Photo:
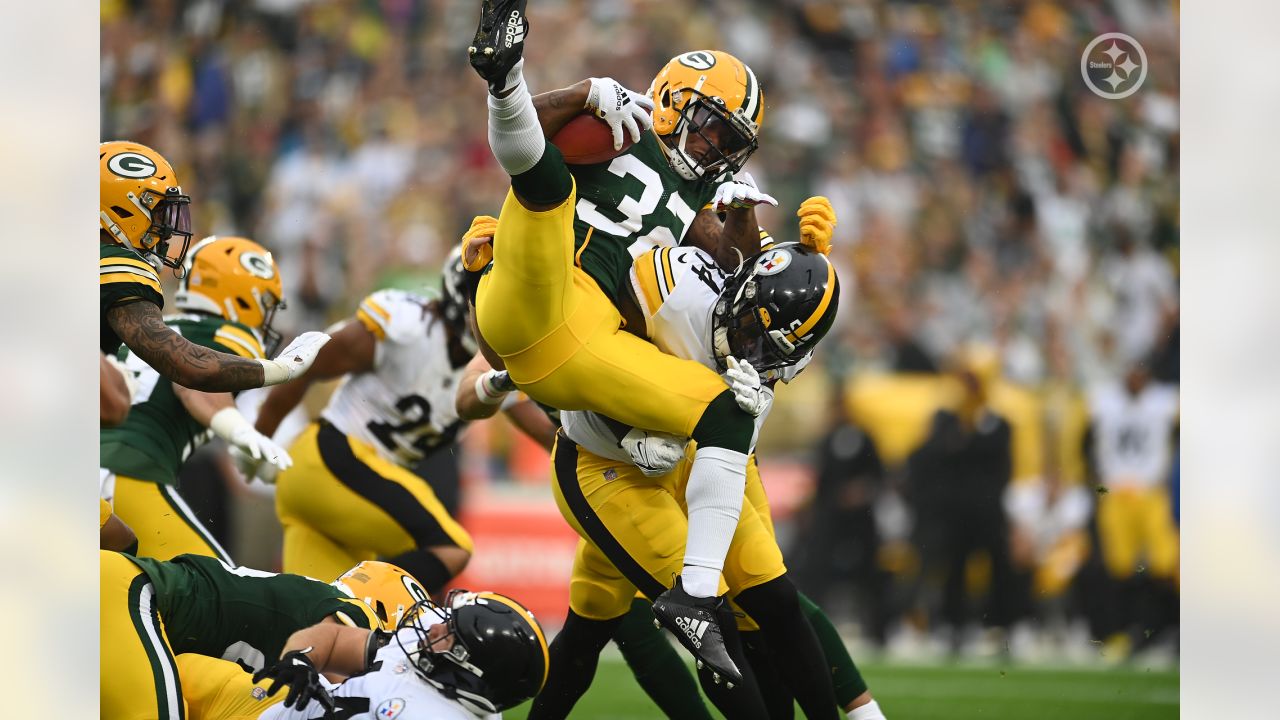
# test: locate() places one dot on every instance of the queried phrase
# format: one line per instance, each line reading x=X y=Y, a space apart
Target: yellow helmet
x=714 y=96
x=384 y=587
x=141 y=204
x=235 y=278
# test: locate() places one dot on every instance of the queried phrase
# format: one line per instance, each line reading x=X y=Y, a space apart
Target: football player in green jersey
x=144 y=215
x=562 y=251
x=153 y=610
x=230 y=294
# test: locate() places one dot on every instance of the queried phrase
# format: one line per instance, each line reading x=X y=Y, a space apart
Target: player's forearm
x=115 y=535
x=141 y=327
x=532 y=421
x=202 y=406
x=334 y=648
x=558 y=107
x=730 y=242
x=281 y=400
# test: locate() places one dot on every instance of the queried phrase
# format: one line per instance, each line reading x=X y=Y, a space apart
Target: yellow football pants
x=561 y=337
x=342 y=503
x=221 y=690
x=138 y=678
x=1136 y=524
x=162 y=520
x=633 y=531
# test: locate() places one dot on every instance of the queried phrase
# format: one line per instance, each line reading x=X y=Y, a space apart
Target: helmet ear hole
x=243 y=305
x=121 y=211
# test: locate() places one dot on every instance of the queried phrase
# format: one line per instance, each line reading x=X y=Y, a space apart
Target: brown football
x=586 y=140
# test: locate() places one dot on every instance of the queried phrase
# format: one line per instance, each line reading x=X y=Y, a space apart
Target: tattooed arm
x=141 y=327
x=558 y=107
x=739 y=231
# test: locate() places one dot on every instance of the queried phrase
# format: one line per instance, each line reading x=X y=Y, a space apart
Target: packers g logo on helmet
x=257 y=265
x=698 y=60
x=131 y=165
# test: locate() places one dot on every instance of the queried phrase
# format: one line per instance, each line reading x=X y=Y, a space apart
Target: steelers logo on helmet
x=257 y=265
x=131 y=165
x=698 y=60
x=773 y=261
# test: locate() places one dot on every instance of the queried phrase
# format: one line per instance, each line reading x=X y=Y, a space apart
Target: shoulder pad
x=394 y=315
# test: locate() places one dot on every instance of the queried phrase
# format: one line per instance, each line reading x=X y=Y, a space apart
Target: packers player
x=564 y=244
x=152 y=610
x=351 y=495
x=479 y=654
x=229 y=295
x=145 y=219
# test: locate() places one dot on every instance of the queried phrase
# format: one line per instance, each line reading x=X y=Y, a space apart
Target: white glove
x=654 y=453
x=740 y=193
x=744 y=381
x=294 y=359
x=231 y=426
x=620 y=108
x=252 y=468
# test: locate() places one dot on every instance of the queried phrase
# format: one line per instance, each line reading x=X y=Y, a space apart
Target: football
x=586 y=140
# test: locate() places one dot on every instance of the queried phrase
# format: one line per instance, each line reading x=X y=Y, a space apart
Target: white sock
x=714 y=496
x=870 y=711
x=514 y=133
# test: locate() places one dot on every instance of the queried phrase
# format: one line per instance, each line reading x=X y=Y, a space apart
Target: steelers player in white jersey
x=350 y=495
x=475 y=656
x=1132 y=435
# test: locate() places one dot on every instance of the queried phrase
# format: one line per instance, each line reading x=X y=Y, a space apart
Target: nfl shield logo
x=610 y=475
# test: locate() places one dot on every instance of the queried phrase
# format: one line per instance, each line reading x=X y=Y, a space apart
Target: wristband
x=273 y=373
x=485 y=390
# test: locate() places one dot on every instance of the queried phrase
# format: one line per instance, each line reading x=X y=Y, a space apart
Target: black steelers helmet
x=499 y=654
x=453 y=298
x=776 y=307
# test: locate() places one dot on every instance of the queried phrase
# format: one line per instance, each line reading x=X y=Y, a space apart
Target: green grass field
x=950 y=693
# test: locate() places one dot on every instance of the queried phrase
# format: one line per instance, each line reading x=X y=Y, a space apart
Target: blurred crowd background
x=950 y=476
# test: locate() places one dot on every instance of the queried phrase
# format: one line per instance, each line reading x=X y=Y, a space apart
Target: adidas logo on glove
x=693 y=629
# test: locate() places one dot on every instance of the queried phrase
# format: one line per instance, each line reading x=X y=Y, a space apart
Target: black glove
x=303 y=680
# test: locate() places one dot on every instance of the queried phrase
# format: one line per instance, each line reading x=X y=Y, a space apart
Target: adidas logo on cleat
x=515 y=29
x=693 y=629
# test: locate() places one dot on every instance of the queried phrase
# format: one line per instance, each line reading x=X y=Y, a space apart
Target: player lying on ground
x=479 y=654
x=142 y=210
x=564 y=244
x=351 y=495
x=229 y=296
x=153 y=610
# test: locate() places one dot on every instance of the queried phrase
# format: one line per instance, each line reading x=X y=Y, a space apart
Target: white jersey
x=405 y=406
x=391 y=691
x=677 y=289
x=1132 y=434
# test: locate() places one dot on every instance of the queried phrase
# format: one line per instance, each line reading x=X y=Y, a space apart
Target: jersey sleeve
x=355 y=613
x=393 y=315
x=238 y=340
x=123 y=277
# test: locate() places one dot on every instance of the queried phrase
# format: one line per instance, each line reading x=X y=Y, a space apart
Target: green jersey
x=211 y=608
x=629 y=205
x=123 y=277
x=159 y=434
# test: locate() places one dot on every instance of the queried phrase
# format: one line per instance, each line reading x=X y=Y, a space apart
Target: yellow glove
x=477 y=243
x=817 y=223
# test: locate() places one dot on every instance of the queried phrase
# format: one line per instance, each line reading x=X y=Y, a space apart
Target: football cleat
x=695 y=623
x=499 y=41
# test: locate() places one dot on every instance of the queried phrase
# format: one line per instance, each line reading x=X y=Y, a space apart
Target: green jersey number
x=639 y=212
